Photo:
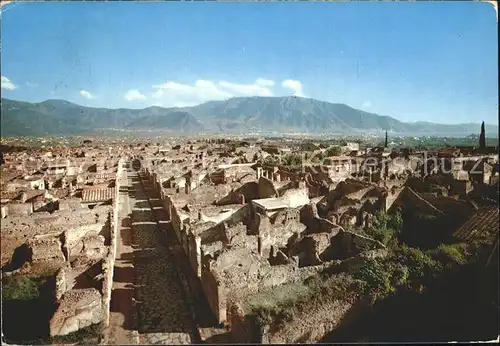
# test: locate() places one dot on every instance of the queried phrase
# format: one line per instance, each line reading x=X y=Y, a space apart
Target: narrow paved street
x=145 y=272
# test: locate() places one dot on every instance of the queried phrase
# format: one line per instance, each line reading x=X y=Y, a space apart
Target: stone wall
x=76 y=310
x=266 y=188
x=195 y=253
x=392 y=196
x=61 y=285
x=310 y=325
x=19 y=209
x=296 y=197
x=109 y=262
x=214 y=293
x=191 y=245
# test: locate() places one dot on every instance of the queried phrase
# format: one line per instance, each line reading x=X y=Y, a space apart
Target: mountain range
x=236 y=115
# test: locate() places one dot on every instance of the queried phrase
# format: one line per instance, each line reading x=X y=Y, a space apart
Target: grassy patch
x=22 y=287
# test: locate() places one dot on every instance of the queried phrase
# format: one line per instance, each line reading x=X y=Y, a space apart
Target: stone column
x=197 y=240
x=278 y=177
x=259 y=172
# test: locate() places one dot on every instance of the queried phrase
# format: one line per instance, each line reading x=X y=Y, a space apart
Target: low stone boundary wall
x=109 y=263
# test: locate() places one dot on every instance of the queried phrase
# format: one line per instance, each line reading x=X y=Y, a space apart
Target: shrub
x=450 y=255
x=21 y=287
x=420 y=265
x=376 y=278
x=292 y=160
x=400 y=274
x=333 y=151
x=385 y=227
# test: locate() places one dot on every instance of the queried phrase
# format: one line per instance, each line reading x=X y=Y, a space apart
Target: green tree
x=376 y=277
x=333 y=151
x=422 y=268
x=21 y=287
x=385 y=227
x=482 y=138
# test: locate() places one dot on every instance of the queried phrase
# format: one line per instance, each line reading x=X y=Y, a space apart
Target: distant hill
x=240 y=114
x=176 y=120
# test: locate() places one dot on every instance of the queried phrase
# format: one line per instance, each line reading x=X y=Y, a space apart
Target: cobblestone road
x=148 y=305
x=163 y=313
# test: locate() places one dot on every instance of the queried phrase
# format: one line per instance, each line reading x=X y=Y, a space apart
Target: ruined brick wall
x=109 y=261
x=244 y=329
x=176 y=223
x=266 y=188
x=242 y=215
x=214 y=293
x=194 y=254
x=77 y=309
x=61 y=286
x=310 y=326
x=297 y=197
x=174 y=216
x=19 y=209
x=393 y=196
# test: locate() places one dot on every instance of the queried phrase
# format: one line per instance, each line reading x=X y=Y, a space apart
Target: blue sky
x=414 y=61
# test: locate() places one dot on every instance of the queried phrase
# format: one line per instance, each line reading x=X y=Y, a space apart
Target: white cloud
x=294 y=85
x=31 y=85
x=86 y=94
x=259 y=88
x=264 y=82
x=366 y=105
x=134 y=95
x=7 y=84
x=174 y=94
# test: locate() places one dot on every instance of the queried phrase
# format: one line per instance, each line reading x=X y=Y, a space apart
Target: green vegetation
x=406 y=273
x=406 y=266
x=410 y=267
x=384 y=228
x=296 y=160
x=333 y=151
x=440 y=142
x=291 y=160
x=23 y=295
x=379 y=279
x=22 y=287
